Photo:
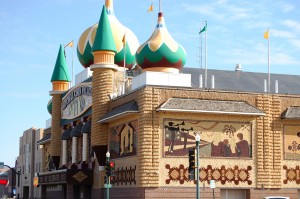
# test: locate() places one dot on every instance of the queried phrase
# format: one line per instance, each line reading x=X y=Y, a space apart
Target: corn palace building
x=147 y=115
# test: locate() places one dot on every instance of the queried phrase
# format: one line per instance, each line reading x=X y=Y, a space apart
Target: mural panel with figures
x=292 y=142
x=123 y=140
x=218 y=139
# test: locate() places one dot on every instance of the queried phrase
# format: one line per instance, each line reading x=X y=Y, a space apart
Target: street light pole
x=197 y=138
x=108 y=178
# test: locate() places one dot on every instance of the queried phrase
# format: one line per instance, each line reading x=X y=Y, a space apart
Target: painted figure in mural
x=242 y=147
x=226 y=149
x=173 y=131
x=184 y=134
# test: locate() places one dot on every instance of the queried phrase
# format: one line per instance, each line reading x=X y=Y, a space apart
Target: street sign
x=1 y=165
x=212 y=184
x=107 y=186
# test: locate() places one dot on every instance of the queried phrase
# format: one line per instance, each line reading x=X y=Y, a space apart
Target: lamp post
x=108 y=178
x=197 y=138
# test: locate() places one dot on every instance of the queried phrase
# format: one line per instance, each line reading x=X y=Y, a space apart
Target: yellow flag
x=70 y=44
x=266 y=35
x=124 y=39
x=150 y=9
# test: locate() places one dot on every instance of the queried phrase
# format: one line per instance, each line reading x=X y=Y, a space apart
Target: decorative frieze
x=223 y=175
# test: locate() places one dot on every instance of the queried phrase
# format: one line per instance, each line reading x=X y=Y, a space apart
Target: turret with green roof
x=60 y=83
x=104 y=50
x=60 y=72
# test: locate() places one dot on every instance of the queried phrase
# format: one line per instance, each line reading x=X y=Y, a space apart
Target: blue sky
x=32 y=30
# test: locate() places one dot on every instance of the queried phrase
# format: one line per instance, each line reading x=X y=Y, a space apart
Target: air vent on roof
x=200 y=81
x=238 y=67
x=276 y=86
x=212 y=82
x=265 y=85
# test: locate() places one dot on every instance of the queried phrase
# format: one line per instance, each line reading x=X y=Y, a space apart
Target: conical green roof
x=61 y=72
x=104 y=39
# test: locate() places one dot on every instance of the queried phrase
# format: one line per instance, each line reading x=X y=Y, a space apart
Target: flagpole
x=124 y=65
x=72 y=84
x=200 y=53
x=269 y=78
x=205 y=81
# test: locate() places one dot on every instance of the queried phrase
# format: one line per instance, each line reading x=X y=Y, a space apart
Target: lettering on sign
x=52 y=178
x=77 y=101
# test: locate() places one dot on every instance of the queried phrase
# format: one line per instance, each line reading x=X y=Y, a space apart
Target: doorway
x=26 y=192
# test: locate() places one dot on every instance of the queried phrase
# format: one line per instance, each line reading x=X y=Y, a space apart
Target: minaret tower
x=60 y=83
x=103 y=49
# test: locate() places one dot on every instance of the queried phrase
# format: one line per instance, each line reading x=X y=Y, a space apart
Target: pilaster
x=148 y=140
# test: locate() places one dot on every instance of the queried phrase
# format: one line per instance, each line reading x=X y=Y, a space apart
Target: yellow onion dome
x=86 y=41
x=161 y=52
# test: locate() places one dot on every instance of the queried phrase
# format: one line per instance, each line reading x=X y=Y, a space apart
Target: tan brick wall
x=267 y=134
x=276 y=131
x=102 y=87
x=55 y=144
x=148 y=145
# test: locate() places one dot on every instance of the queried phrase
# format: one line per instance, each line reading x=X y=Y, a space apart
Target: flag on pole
x=203 y=29
x=70 y=44
x=150 y=9
x=266 y=35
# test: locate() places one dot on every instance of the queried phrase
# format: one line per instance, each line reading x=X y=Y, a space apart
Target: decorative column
x=60 y=83
x=264 y=143
x=86 y=130
x=276 y=132
x=64 y=152
x=84 y=147
x=74 y=150
x=148 y=139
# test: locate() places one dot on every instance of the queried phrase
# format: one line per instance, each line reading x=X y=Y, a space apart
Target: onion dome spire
x=60 y=78
x=104 y=38
x=61 y=72
x=87 y=38
x=161 y=52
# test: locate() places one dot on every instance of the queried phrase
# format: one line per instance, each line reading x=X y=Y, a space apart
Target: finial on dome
x=109 y=6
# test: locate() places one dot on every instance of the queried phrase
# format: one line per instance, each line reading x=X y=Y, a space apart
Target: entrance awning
x=45 y=139
x=124 y=110
x=210 y=107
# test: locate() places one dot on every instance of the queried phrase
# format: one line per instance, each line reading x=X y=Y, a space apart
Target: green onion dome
x=161 y=52
x=86 y=41
x=49 y=107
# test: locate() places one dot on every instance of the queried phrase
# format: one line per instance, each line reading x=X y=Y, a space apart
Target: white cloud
x=295 y=42
x=293 y=25
x=281 y=33
x=230 y=12
x=258 y=55
x=287 y=7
